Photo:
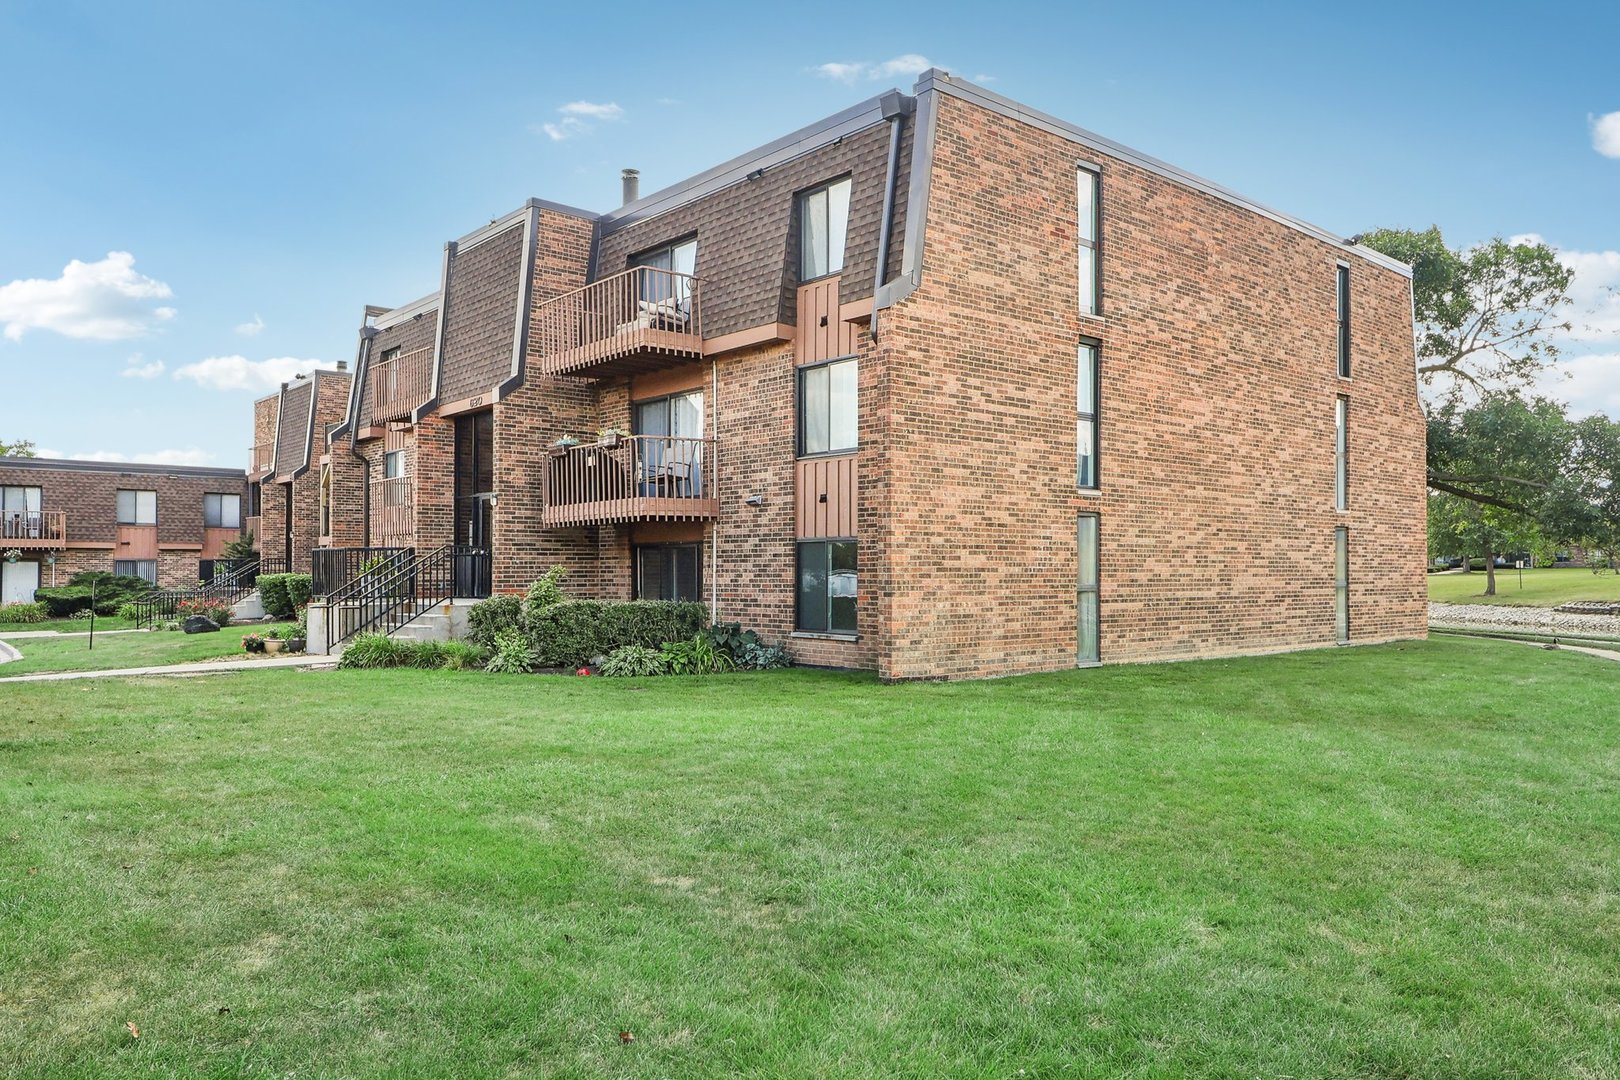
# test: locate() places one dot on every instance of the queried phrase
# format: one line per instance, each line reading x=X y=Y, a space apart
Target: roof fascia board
x=494 y=228
x=438 y=334
x=520 y=327
x=409 y=311
x=935 y=79
x=926 y=123
x=120 y=467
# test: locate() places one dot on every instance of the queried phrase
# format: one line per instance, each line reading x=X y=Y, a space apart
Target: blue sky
x=264 y=171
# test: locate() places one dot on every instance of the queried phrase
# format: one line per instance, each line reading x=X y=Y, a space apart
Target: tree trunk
x=1468 y=564
x=1490 y=571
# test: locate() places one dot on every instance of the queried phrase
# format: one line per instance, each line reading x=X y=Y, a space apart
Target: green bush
x=298 y=591
x=546 y=590
x=273 y=594
x=575 y=632
x=696 y=656
x=130 y=611
x=376 y=651
x=208 y=607
x=513 y=654
x=761 y=657
x=24 y=612
x=489 y=617
x=112 y=591
x=632 y=660
x=461 y=656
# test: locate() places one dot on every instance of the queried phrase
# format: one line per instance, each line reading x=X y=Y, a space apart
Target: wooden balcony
x=642 y=478
x=33 y=529
x=640 y=320
x=397 y=387
x=261 y=460
x=254 y=524
x=393 y=517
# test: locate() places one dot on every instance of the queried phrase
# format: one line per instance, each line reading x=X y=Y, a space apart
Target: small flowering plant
x=13 y=554
x=217 y=610
x=253 y=643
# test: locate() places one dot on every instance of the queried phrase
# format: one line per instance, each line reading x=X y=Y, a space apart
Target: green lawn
x=127 y=650
x=69 y=626
x=1542 y=588
x=1358 y=862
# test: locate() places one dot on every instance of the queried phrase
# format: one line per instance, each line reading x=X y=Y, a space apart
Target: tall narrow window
x=20 y=515
x=222 y=511
x=1086 y=632
x=823 y=225
x=827 y=586
x=665 y=284
x=1344 y=321
x=1341 y=453
x=137 y=507
x=829 y=407
x=1341 y=584
x=1090 y=228
x=1085 y=428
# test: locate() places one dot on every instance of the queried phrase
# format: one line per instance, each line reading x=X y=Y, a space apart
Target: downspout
x=890 y=182
x=714 y=467
x=361 y=376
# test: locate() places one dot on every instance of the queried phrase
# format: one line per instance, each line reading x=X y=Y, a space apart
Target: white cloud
x=609 y=110
x=240 y=373
x=103 y=301
x=190 y=456
x=1606 y=134
x=574 y=116
x=139 y=369
x=251 y=329
x=855 y=71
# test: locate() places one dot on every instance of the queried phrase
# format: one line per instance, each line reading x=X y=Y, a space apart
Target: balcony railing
x=639 y=320
x=396 y=387
x=393 y=518
x=641 y=478
x=33 y=528
x=261 y=459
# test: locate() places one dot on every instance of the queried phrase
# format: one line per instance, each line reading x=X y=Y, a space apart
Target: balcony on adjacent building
x=24 y=529
x=393 y=517
x=640 y=320
x=639 y=478
x=397 y=386
x=261 y=460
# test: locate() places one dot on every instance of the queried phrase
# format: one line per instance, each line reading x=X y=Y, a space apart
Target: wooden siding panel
x=822 y=334
x=214 y=541
x=137 y=542
x=826 y=497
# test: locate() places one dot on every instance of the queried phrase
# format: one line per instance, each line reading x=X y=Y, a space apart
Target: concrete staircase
x=443 y=621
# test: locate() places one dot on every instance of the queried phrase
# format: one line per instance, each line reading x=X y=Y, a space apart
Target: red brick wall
x=1218 y=386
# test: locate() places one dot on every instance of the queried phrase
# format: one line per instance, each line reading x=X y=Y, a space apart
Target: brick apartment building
x=939 y=386
x=158 y=522
x=289 y=472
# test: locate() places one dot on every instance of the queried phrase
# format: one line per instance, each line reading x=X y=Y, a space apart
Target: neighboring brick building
x=291 y=471
x=153 y=521
x=939 y=386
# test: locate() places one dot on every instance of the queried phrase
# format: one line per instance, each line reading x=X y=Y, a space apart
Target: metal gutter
x=897 y=109
x=438 y=335
x=922 y=175
x=520 y=329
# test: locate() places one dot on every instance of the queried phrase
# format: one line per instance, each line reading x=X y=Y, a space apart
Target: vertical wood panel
x=813 y=341
x=137 y=542
x=214 y=541
x=834 y=478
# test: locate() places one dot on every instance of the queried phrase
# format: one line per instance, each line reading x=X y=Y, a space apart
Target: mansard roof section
x=486 y=285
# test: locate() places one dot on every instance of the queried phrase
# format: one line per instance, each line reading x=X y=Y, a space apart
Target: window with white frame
x=1087 y=622
x=1087 y=385
x=1089 y=225
x=137 y=507
x=1341 y=453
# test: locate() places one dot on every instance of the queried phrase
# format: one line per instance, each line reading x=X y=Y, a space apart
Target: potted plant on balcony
x=610 y=436
x=13 y=554
x=563 y=445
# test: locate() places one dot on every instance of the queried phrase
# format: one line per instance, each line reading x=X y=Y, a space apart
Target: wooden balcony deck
x=640 y=478
x=640 y=320
x=32 y=531
x=261 y=460
x=396 y=388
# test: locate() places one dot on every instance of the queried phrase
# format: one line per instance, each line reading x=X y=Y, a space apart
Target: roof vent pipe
x=343 y=365
x=632 y=185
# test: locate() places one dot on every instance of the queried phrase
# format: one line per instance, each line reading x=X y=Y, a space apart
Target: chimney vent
x=632 y=184
x=343 y=365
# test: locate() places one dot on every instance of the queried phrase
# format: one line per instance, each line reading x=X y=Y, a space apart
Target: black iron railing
x=331 y=569
x=391 y=595
x=232 y=581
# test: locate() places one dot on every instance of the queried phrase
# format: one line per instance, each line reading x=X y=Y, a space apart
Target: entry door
x=475 y=501
x=18 y=581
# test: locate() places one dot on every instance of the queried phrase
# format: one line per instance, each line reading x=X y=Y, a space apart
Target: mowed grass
x=1398 y=860
x=146 y=649
x=66 y=626
x=1542 y=588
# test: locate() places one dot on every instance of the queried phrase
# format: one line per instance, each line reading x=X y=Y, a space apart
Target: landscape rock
x=200 y=624
x=1535 y=620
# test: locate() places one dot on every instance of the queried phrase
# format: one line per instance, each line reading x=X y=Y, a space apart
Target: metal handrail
x=227 y=588
x=384 y=602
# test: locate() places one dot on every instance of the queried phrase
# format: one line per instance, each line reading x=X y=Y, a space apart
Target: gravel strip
x=1500 y=616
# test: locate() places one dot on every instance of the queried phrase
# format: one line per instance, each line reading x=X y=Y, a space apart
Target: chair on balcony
x=666 y=314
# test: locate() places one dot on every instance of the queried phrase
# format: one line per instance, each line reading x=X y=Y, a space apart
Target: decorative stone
x=200 y=624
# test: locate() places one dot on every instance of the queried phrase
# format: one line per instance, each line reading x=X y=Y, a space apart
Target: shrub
x=575 y=632
x=112 y=590
x=376 y=651
x=253 y=643
x=630 y=660
x=489 y=617
x=273 y=594
x=762 y=657
x=129 y=610
x=696 y=656
x=546 y=590
x=513 y=654
x=298 y=591
x=82 y=613
x=24 y=612
x=209 y=607
x=461 y=656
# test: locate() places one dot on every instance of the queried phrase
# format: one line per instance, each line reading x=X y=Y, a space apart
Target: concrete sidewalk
x=216 y=668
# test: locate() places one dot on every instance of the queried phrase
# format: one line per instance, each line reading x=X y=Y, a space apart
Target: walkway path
x=208 y=668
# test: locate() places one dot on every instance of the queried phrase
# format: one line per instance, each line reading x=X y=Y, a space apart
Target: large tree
x=19 y=448
x=1487 y=316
